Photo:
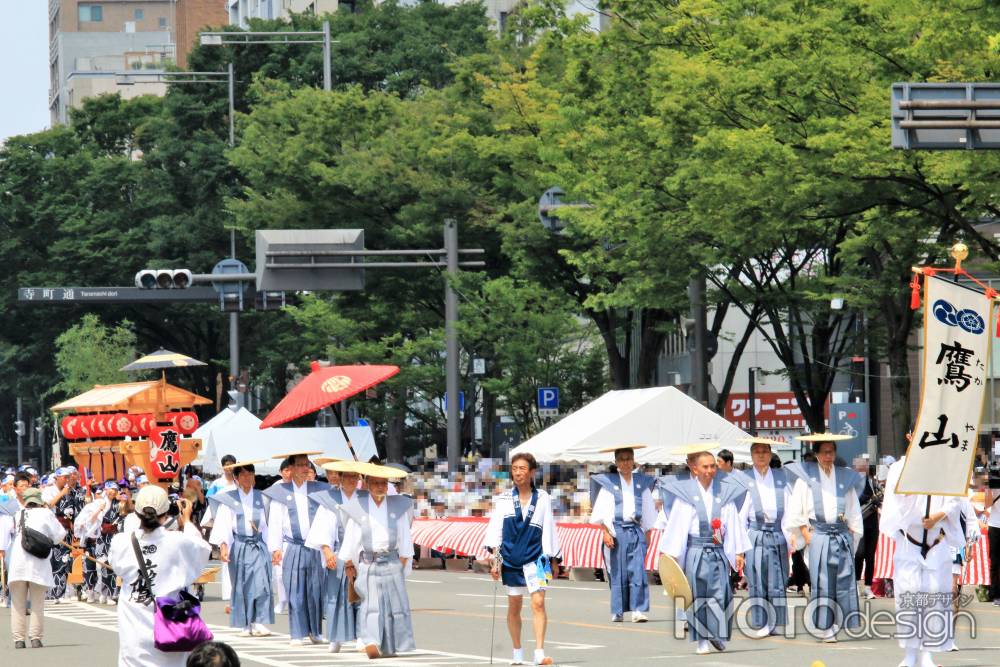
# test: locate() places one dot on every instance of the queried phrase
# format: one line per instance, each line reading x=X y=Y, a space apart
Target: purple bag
x=177 y=626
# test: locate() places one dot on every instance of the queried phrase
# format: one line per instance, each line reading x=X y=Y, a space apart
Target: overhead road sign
x=70 y=295
x=936 y=116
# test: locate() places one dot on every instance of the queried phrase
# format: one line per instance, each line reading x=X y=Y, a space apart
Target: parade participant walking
x=825 y=499
x=173 y=559
x=926 y=536
x=62 y=497
x=240 y=530
x=522 y=536
x=327 y=535
x=377 y=552
x=764 y=515
x=277 y=580
x=624 y=507
x=30 y=575
x=87 y=528
x=871 y=500
x=224 y=483
x=303 y=577
x=704 y=534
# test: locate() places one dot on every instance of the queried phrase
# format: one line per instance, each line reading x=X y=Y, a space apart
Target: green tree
x=90 y=353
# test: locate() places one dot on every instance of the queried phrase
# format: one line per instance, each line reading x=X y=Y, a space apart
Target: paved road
x=452 y=616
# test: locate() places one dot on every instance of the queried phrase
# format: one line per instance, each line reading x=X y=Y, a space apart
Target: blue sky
x=24 y=68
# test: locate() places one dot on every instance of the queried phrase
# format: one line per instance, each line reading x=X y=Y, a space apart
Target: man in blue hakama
x=303 y=576
x=522 y=536
x=240 y=530
x=327 y=536
x=623 y=505
x=825 y=497
x=377 y=554
x=704 y=535
x=769 y=494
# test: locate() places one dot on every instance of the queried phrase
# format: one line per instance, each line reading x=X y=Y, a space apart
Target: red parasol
x=323 y=387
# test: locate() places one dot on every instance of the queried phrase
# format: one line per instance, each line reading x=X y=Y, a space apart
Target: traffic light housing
x=163 y=279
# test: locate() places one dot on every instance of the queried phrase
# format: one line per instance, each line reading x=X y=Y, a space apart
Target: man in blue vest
x=624 y=508
x=303 y=577
x=825 y=497
x=522 y=536
x=240 y=530
x=764 y=513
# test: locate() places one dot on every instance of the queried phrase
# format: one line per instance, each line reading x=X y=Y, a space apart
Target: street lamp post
x=752 y=399
x=234 y=38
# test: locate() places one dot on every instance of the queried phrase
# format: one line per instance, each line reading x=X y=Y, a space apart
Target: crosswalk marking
x=272 y=650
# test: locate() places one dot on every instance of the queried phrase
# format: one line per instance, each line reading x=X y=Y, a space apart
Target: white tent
x=662 y=418
x=238 y=433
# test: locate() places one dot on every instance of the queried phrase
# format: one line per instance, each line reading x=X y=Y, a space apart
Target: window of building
x=163 y=23
x=139 y=15
x=91 y=13
x=503 y=21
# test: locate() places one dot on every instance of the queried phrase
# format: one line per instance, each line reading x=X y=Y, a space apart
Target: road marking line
x=261 y=649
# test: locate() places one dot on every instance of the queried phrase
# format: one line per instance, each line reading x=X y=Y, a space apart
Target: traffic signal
x=163 y=279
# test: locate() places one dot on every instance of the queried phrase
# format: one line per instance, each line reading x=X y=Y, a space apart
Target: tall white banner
x=957 y=332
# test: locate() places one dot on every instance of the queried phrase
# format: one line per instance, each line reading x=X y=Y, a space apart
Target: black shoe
x=18 y=644
x=36 y=643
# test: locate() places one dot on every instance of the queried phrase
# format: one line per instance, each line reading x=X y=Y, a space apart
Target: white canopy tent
x=662 y=418
x=238 y=432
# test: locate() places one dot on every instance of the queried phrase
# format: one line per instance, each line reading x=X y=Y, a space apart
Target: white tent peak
x=238 y=433
x=662 y=418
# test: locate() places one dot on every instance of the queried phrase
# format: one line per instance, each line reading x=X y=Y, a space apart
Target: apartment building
x=241 y=11
x=90 y=39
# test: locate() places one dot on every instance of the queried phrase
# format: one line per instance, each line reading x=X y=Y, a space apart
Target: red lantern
x=164 y=452
x=121 y=425
x=186 y=422
x=71 y=427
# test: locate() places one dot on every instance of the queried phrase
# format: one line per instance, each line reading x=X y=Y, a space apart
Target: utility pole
x=454 y=440
x=699 y=353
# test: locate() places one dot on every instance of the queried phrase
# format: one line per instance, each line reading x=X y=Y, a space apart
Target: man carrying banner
x=825 y=498
x=765 y=516
x=624 y=507
x=705 y=536
x=522 y=536
x=926 y=533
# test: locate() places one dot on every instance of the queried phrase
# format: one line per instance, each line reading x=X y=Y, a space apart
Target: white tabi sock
x=518 y=655
x=926 y=660
x=539 y=655
x=909 y=658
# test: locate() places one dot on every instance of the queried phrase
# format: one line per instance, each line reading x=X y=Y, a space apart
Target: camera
x=993 y=476
x=174 y=509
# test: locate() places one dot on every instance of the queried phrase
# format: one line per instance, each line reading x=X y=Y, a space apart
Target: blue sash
x=520 y=525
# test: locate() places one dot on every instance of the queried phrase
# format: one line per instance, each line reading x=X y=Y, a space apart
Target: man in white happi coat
x=927 y=536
